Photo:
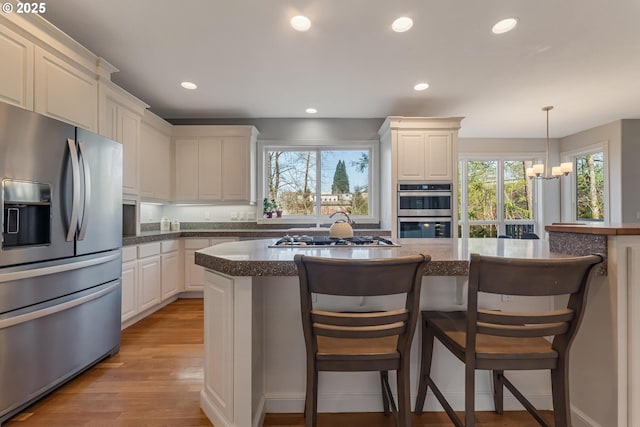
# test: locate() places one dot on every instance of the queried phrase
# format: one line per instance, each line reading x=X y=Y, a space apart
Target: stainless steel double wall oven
x=424 y=210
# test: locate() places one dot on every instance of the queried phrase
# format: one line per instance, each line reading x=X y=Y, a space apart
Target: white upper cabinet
x=120 y=120
x=155 y=158
x=421 y=148
x=215 y=163
x=64 y=91
x=16 y=72
x=210 y=168
x=425 y=155
x=186 y=169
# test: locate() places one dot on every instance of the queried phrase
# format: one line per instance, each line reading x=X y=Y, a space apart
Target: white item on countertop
x=175 y=225
x=165 y=224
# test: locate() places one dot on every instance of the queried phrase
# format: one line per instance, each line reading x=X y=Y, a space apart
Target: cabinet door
x=186 y=170
x=16 y=72
x=155 y=163
x=65 y=92
x=129 y=288
x=193 y=274
x=411 y=155
x=438 y=152
x=235 y=168
x=150 y=284
x=129 y=136
x=170 y=280
x=210 y=169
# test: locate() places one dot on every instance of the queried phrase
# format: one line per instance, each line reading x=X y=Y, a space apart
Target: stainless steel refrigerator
x=60 y=256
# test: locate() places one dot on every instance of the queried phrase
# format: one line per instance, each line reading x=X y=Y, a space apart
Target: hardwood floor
x=156 y=379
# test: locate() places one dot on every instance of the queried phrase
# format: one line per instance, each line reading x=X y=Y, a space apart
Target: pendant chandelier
x=538 y=170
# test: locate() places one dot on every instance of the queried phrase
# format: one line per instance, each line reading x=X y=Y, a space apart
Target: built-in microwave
x=424 y=227
x=424 y=200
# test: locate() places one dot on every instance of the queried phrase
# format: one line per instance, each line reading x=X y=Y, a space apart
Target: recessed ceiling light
x=402 y=24
x=189 y=85
x=504 y=26
x=300 y=23
x=311 y=110
x=421 y=86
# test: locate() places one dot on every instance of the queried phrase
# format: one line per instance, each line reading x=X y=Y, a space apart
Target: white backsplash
x=197 y=213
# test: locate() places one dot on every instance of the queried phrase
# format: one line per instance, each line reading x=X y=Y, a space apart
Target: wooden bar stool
x=498 y=341
x=360 y=341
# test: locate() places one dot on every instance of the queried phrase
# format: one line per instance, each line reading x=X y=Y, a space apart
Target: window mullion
x=318 y=185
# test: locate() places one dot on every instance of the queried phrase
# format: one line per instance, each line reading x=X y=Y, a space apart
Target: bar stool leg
x=560 y=392
x=498 y=391
x=425 y=366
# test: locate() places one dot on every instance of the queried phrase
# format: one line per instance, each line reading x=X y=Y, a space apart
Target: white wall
x=630 y=171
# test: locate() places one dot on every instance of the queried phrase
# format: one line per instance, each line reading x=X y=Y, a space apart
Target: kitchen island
x=254 y=349
x=612 y=368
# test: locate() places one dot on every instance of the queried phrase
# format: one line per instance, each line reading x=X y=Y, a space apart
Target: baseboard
x=210 y=410
x=580 y=419
x=191 y=294
x=371 y=402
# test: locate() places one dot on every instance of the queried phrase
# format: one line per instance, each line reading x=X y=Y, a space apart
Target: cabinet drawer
x=148 y=249
x=196 y=243
x=129 y=253
x=170 y=246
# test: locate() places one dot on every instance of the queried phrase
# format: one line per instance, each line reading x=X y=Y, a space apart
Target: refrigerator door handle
x=87 y=192
x=75 y=169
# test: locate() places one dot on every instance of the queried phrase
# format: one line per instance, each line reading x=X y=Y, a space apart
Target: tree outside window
x=590 y=186
x=499 y=198
x=318 y=182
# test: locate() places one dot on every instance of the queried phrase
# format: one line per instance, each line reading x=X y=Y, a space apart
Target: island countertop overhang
x=448 y=257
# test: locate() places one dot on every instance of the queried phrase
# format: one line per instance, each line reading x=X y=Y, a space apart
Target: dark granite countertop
x=449 y=257
x=156 y=236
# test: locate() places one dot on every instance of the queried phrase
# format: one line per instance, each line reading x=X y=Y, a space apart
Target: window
x=313 y=182
x=590 y=186
x=495 y=198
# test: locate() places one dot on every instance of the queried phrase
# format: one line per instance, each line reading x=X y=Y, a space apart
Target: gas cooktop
x=289 y=241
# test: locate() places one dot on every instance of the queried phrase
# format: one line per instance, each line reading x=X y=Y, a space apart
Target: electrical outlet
x=234 y=216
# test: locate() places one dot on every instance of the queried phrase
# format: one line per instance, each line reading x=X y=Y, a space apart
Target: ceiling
x=582 y=56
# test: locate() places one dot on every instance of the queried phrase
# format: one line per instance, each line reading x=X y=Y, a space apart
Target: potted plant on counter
x=278 y=208
x=268 y=207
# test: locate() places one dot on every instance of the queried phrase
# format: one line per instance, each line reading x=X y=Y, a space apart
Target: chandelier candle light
x=537 y=171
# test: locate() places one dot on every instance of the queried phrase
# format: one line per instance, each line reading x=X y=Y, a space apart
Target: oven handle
x=424 y=219
x=424 y=194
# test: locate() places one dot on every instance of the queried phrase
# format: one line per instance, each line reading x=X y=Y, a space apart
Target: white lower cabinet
x=150 y=275
x=129 y=282
x=194 y=274
x=170 y=263
x=150 y=286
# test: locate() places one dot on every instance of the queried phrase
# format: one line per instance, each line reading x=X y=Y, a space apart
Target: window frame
x=263 y=146
x=569 y=186
x=500 y=222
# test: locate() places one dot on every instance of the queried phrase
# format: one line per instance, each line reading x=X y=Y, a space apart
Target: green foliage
x=359 y=203
x=590 y=186
x=340 y=179
x=362 y=163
